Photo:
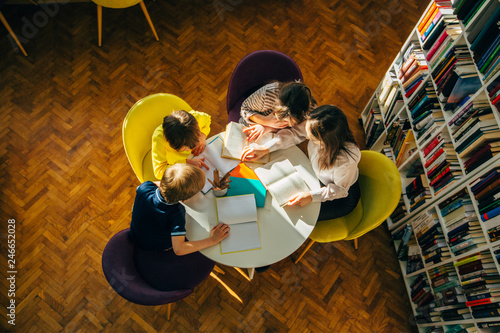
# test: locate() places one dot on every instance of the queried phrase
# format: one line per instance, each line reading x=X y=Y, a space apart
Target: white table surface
x=282 y=230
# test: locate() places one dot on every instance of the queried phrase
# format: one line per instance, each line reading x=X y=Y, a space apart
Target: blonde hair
x=181 y=181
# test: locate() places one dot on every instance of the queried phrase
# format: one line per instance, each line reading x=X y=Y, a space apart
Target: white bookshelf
x=431 y=204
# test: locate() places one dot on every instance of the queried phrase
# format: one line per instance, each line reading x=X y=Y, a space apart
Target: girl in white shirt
x=334 y=156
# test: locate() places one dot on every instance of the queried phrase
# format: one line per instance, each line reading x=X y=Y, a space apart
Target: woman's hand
x=254 y=132
x=197 y=162
x=254 y=152
x=200 y=147
x=301 y=199
x=219 y=232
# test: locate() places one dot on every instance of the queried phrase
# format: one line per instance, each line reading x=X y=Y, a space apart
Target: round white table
x=282 y=230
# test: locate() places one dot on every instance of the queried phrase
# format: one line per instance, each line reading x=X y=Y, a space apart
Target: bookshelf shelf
x=437 y=122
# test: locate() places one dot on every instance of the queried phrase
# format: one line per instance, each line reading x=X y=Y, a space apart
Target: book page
x=281 y=180
x=214 y=160
x=237 y=209
x=285 y=189
x=242 y=237
x=235 y=141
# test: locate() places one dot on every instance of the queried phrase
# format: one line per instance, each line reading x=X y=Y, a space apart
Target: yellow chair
x=120 y=4
x=138 y=127
x=380 y=185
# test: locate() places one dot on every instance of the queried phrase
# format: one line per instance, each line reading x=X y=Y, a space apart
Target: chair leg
x=99 y=23
x=355 y=243
x=311 y=242
x=145 y=11
x=169 y=309
x=7 y=26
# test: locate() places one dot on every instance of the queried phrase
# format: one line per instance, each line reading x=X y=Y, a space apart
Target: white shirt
x=339 y=177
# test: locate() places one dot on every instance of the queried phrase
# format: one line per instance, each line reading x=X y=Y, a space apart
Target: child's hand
x=197 y=162
x=254 y=152
x=219 y=232
x=200 y=147
x=301 y=199
x=254 y=132
x=271 y=121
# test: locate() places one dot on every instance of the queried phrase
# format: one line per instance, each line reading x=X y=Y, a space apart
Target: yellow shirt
x=163 y=155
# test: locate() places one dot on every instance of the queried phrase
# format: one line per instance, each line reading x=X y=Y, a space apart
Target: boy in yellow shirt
x=181 y=134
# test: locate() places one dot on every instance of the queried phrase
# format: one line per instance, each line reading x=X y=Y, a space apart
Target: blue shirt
x=154 y=221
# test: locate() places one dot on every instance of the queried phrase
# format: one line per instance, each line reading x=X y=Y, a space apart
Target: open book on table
x=213 y=159
x=240 y=213
x=281 y=180
x=235 y=141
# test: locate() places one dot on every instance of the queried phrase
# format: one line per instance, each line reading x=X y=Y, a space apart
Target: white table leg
x=251 y=272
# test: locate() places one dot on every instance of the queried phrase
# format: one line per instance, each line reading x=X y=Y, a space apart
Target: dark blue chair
x=129 y=280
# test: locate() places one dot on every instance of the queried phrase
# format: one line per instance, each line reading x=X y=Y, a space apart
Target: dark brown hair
x=296 y=100
x=181 y=181
x=329 y=125
x=180 y=129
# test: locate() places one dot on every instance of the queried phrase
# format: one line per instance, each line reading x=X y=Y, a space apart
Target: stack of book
x=434 y=329
x=462 y=328
x=417 y=192
x=388 y=91
x=496 y=252
x=466 y=9
x=486 y=191
x=399 y=212
x=441 y=163
x=394 y=109
x=450 y=301
x=404 y=235
x=408 y=147
x=484 y=38
x=481 y=284
x=435 y=21
x=489 y=327
x=494 y=93
x=424 y=108
x=464 y=231
x=396 y=134
x=373 y=126
x=456 y=77
x=430 y=238
x=475 y=115
x=414 y=259
x=423 y=298
x=413 y=68
x=414 y=169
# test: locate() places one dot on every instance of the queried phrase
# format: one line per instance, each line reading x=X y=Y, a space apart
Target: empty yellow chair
x=120 y=4
x=380 y=185
x=138 y=127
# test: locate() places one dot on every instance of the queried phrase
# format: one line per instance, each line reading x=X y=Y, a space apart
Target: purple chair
x=255 y=70
x=120 y=270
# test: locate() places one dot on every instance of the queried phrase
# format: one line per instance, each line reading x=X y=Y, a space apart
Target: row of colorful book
x=494 y=93
x=463 y=228
x=425 y=111
x=471 y=128
x=373 y=126
x=413 y=69
x=430 y=238
x=484 y=35
x=450 y=301
x=441 y=162
x=486 y=192
x=388 y=91
x=422 y=297
x=417 y=192
x=397 y=135
x=480 y=283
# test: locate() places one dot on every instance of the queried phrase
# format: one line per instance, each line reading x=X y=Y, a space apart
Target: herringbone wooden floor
x=65 y=179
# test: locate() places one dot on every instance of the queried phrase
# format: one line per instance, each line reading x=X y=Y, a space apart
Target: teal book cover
x=239 y=186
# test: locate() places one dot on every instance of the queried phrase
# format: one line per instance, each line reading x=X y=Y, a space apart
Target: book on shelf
x=477 y=143
x=282 y=180
x=240 y=212
x=402 y=251
x=235 y=140
x=390 y=80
